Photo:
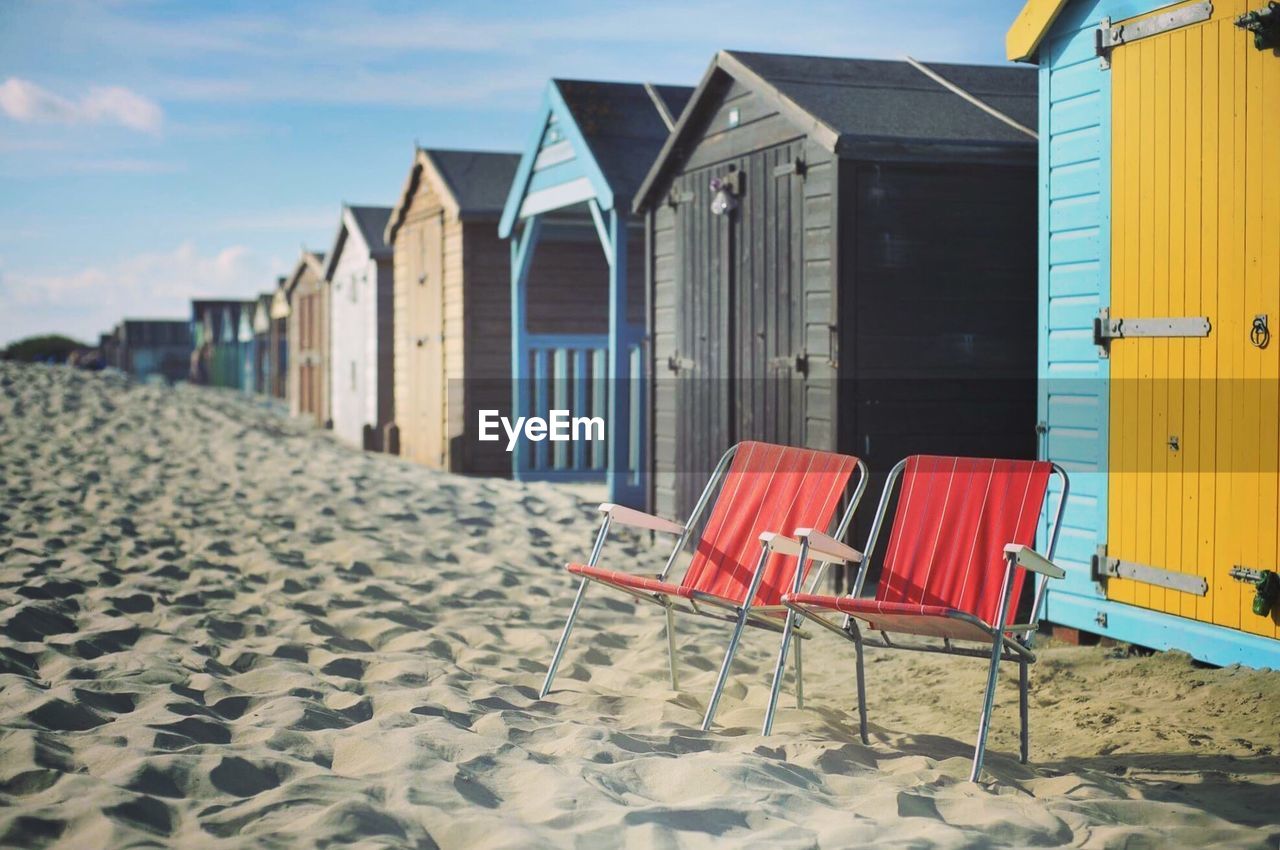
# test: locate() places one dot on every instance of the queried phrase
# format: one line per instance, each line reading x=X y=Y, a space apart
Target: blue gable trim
x=582 y=165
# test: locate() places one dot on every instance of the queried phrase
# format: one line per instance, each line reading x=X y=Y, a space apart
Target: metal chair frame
x=1005 y=645
x=741 y=615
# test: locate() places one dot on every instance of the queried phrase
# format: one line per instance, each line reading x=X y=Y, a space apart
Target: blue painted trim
x=515 y=197
x=551 y=341
x=541 y=380
x=586 y=165
x=625 y=485
x=604 y=192
x=1157 y=630
x=580 y=387
x=567 y=476
x=521 y=259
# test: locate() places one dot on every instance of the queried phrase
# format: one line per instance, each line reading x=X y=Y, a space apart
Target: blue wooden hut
x=222 y=336
x=1159 y=273
x=591 y=146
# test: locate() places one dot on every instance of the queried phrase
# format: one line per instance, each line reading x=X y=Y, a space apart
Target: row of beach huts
x=876 y=257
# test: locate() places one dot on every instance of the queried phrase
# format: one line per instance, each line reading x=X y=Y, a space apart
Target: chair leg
x=862 y=688
x=671 y=649
x=779 y=670
x=988 y=703
x=564 y=640
x=799 y=674
x=710 y=716
x=1023 y=689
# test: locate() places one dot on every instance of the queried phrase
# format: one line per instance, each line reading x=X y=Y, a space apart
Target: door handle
x=1260 y=333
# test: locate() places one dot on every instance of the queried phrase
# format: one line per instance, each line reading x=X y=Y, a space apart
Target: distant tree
x=49 y=348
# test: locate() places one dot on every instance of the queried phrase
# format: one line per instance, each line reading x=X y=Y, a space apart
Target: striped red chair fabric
x=761 y=488
x=955 y=567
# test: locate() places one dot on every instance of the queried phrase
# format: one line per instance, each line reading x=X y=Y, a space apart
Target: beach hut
x=452 y=307
x=591 y=145
x=358 y=274
x=262 y=351
x=278 y=384
x=222 y=338
x=146 y=347
x=1159 y=280
x=308 y=339
x=109 y=347
x=841 y=256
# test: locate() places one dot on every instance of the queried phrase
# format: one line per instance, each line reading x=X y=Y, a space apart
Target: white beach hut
x=359 y=276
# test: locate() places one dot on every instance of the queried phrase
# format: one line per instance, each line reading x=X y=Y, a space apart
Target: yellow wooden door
x=1195 y=231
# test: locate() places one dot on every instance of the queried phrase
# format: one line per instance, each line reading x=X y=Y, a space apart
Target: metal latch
x=1110 y=37
x=675 y=199
x=795 y=166
x=676 y=363
x=1266 y=587
x=1264 y=23
x=1106 y=328
x=1105 y=567
x=794 y=362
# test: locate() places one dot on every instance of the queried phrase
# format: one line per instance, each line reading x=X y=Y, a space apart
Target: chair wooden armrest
x=640 y=519
x=1030 y=559
x=828 y=547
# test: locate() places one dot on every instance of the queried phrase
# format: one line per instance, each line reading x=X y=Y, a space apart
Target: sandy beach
x=222 y=628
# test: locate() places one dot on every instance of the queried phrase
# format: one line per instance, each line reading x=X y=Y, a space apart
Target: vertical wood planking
x=1269 y=181
x=1209 y=151
x=1226 y=607
x=1122 y=479
x=1159 y=283
x=1175 y=133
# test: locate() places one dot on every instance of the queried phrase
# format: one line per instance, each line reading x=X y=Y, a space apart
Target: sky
x=151 y=152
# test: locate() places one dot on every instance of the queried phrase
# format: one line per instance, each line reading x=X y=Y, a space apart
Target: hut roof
x=475 y=183
x=618 y=127
x=312 y=261
x=1022 y=41
x=844 y=103
x=622 y=125
x=370 y=223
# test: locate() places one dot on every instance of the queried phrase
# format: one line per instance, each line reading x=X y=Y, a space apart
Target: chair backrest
x=955 y=515
x=767 y=488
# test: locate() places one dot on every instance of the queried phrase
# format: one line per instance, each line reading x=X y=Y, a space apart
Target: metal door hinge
x=1105 y=567
x=1110 y=37
x=798 y=363
x=1106 y=328
x=675 y=199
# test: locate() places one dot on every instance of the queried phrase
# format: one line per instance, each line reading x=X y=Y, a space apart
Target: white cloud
x=150 y=284
x=25 y=101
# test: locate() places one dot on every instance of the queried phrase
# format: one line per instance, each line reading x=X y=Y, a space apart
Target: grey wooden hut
x=146 y=347
x=841 y=255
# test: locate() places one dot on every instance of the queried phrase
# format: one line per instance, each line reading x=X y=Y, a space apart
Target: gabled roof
x=841 y=103
x=616 y=128
x=1030 y=27
x=369 y=223
x=312 y=261
x=472 y=184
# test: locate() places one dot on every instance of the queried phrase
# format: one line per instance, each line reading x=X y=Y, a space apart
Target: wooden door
x=1195 y=232
x=701 y=363
x=740 y=281
x=767 y=240
x=434 y=383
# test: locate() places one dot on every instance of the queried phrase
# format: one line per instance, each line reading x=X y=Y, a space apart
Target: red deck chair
x=955 y=566
x=732 y=576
